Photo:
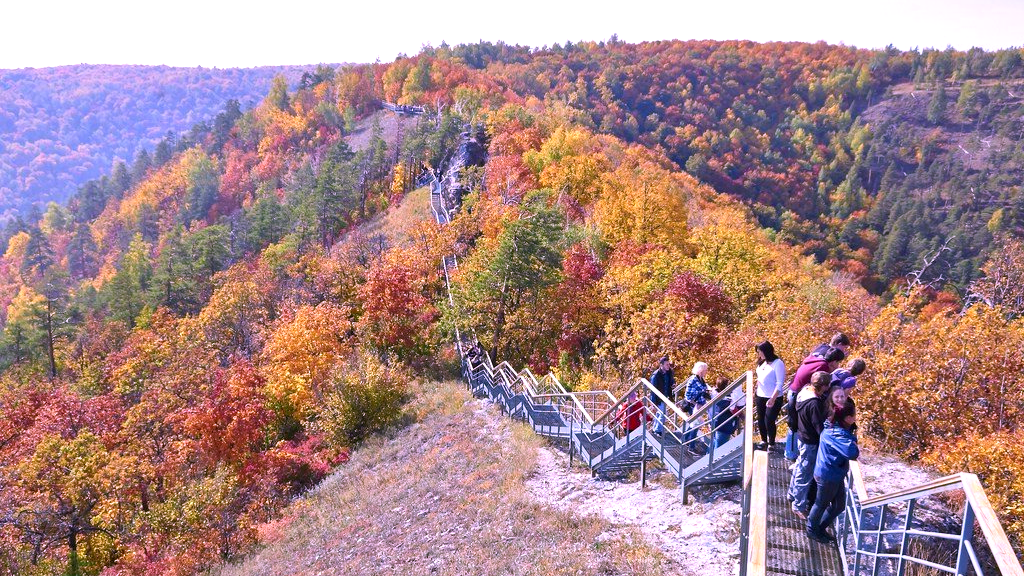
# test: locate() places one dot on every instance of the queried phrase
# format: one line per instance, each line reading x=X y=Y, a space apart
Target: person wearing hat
x=847 y=377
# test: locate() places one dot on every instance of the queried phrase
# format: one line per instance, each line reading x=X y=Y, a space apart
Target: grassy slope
x=445 y=495
x=397 y=223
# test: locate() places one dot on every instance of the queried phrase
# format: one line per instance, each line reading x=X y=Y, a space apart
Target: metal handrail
x=977 y=508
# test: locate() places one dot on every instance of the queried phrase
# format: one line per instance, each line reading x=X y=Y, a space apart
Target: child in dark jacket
x=837 y=446
x=812 y=411
x=723 y=419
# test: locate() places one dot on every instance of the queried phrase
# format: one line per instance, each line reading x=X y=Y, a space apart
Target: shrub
x=364 y=397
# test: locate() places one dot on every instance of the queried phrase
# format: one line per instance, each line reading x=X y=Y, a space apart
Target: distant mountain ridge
x=62 y=126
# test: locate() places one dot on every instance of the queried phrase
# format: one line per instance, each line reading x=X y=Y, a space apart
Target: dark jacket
x=664 y=382
x=811 y=416
x=835 y=450
x=722 y=416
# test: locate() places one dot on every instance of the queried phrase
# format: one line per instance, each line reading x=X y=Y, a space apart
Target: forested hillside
x=190 y=343
x=823 y=141
x=60 y=127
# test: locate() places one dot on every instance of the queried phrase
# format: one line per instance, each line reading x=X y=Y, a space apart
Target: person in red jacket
x=631 y=413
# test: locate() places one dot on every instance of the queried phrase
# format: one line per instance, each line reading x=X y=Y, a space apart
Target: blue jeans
x=659 y=418
x=803 y=476
x=792 y=449
x=828 y=505
x=721 y=438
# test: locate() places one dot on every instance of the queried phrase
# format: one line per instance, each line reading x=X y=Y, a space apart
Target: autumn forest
x=200 y=335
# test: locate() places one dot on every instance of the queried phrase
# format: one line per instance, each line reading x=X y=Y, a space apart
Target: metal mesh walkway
x=790 y=551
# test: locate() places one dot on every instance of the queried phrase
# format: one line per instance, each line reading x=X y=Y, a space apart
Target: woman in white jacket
x=771 y=379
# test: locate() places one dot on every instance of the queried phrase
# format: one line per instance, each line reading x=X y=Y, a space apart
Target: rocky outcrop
x=471 y=152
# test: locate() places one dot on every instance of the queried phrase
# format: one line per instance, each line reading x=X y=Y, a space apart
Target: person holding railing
x=771 y=381
x=723 y=416
x=838 y=445
x=812 y=411
x=475 y=354
x=696 y=395
x=631 y=413
x=664 y=381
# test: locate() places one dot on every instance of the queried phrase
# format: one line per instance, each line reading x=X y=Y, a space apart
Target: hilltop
x=190 y=347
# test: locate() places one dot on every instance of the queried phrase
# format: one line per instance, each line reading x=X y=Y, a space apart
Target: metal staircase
x=874 y=535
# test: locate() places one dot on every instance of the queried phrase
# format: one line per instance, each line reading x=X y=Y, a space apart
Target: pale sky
x=215 y=33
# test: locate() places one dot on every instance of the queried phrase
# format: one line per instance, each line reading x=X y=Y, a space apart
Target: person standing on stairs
x=724 y=416
x=664 y=381
x=771 y=381
x=837 y=447
x=696 y=395
x=826 y=361
x=812 y=411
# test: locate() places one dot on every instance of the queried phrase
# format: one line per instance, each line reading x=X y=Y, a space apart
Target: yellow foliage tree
x=931 y=379
x=568 y=163
x=301 y=353
x=642 y=201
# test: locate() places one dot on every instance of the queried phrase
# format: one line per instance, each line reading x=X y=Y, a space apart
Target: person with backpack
x=812 y=411
x=664 y=381
x=696 y=395
x=837 y=446
x=826 y=362
x=771 y=381
x=724 y=419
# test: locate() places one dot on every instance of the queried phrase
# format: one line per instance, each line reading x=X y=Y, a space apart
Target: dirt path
x=701 y=538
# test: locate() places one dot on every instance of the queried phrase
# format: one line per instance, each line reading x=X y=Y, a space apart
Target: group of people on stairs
x=821 y=416
x=723 y=416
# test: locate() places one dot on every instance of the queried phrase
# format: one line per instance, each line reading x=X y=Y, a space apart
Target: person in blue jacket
x=723 y=418
x=836 y=447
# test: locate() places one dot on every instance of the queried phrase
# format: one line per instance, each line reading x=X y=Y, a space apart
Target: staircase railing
x=880 y=529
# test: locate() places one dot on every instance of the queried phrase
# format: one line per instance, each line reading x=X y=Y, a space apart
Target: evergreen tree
x=126 y=291
x=141 y=166
x=937 y=105
x=335 y=196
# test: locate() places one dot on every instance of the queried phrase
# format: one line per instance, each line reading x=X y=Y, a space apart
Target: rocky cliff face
x=471 y=152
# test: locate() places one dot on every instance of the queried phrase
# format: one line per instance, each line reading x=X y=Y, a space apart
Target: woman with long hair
x=771 y=379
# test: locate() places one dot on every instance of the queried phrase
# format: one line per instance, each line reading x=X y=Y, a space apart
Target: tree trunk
x=49 y=339
x=73 y=568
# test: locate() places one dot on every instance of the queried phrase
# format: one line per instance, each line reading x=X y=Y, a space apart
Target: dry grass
x=398 y=222
x=444 y=496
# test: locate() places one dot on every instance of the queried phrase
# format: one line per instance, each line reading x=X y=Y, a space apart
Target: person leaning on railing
x=838 y=445
x=723 y=418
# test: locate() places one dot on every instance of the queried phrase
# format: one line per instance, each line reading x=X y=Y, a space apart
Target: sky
x=216 y=33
